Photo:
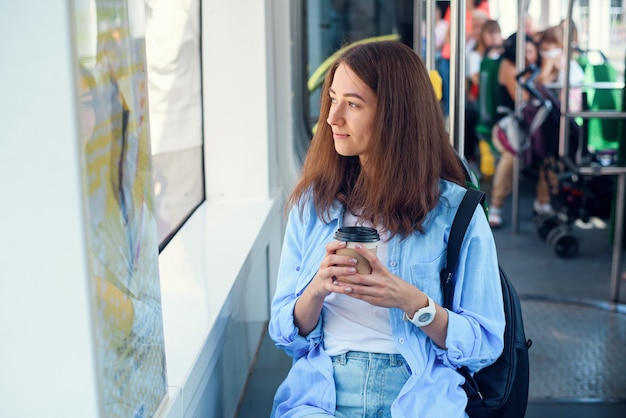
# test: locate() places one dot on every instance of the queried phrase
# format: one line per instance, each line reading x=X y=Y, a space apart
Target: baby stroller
x=573 y=196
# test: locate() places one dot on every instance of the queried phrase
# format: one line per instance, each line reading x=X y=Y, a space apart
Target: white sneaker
x=495 y=216
x=542 y=208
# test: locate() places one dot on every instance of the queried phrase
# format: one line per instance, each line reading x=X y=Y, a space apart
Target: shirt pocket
x=425 y=276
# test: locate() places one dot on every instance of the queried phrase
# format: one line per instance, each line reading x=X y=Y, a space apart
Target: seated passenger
x=502 y=180
x=381 y=158
x=553 y=65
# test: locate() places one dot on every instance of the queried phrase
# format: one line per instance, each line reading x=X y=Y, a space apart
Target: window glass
x=173 y=33
x=330 y=24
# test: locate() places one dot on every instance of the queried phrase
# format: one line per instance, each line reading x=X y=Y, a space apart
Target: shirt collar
x=336 y=212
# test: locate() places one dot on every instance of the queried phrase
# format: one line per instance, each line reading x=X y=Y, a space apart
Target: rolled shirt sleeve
x=298 y=265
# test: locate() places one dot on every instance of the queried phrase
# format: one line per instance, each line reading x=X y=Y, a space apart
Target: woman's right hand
x=333 y=265
x=309 y=305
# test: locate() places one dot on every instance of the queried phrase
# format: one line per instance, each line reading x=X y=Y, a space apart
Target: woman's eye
x=333 y=100
x=353 y=105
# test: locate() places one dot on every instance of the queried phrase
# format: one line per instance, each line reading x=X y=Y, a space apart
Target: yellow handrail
x=317 y=78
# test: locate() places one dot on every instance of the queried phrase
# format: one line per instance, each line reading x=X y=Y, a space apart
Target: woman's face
x=352 y=112
x=492 y=39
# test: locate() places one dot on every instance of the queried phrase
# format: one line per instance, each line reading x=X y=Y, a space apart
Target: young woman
x=489 y=41
x=488 y=44
x=553 y=65
x=381 y=158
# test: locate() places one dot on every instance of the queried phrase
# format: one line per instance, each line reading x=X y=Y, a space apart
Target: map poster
x=122 y=232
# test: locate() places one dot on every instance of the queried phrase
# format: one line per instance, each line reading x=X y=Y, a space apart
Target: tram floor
x=577 y=361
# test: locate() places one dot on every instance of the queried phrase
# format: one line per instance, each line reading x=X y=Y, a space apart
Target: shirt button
x=401 y=340
x=393 y=264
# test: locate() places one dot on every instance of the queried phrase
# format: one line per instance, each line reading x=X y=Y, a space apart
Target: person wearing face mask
x=553 y=65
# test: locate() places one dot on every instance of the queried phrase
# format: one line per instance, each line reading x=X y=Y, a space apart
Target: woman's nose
x=334 y=116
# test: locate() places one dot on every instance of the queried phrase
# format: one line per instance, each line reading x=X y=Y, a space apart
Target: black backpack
x=499 y=390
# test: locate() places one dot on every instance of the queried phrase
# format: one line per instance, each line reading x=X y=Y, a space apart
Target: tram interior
x=167 y=137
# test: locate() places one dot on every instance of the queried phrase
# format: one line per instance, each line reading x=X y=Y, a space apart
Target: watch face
x=424 y=317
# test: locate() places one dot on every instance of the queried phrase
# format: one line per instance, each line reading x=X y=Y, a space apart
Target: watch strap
x=431 y=308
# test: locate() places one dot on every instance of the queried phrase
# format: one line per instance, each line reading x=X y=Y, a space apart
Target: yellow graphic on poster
x=122 y=226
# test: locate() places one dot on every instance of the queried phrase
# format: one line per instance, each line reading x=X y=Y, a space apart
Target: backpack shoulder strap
x=461 y=221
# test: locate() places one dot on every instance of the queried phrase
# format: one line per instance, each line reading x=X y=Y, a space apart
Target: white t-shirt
x=473 y=60
x=354 y=325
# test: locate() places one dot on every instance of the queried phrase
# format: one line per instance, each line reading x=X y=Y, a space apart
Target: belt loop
x=396 y=359
x=341 y=359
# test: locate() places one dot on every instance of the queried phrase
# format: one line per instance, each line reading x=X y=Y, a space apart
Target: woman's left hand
x=381 y=288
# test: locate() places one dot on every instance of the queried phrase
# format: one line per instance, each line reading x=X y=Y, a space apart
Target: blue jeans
x=367 y=383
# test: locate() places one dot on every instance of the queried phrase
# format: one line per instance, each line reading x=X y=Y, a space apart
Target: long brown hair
x=409 y=148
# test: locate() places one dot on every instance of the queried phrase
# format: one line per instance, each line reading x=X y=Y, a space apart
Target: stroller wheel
x=564 y=244
x=544 y=224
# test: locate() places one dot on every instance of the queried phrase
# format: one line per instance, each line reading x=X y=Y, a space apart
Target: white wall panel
x=46 y=353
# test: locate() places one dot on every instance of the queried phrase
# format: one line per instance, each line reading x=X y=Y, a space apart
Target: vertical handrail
x=618 y=226
x=430 y=33
x=520 y=63
x=457 y=75
x=616 y=260
x=567 y=48
x=417 y=27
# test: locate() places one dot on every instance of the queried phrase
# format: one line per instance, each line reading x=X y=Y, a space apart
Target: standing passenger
x=381 y=159
x=443 y=66
x=488 y=43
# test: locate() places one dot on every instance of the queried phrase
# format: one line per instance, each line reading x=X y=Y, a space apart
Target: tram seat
x=602 y=134
x=437 y=82
x=488 y=101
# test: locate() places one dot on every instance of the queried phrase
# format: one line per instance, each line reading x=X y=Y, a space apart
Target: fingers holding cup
x=367 y=238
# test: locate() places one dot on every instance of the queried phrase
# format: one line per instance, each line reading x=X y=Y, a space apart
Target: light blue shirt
x=475 y=325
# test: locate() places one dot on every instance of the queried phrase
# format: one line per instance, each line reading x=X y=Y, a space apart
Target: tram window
x=329 y=24
x=332 y=23
x=173 y=34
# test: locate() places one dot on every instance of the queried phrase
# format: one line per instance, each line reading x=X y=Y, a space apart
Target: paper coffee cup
x=353 y=235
